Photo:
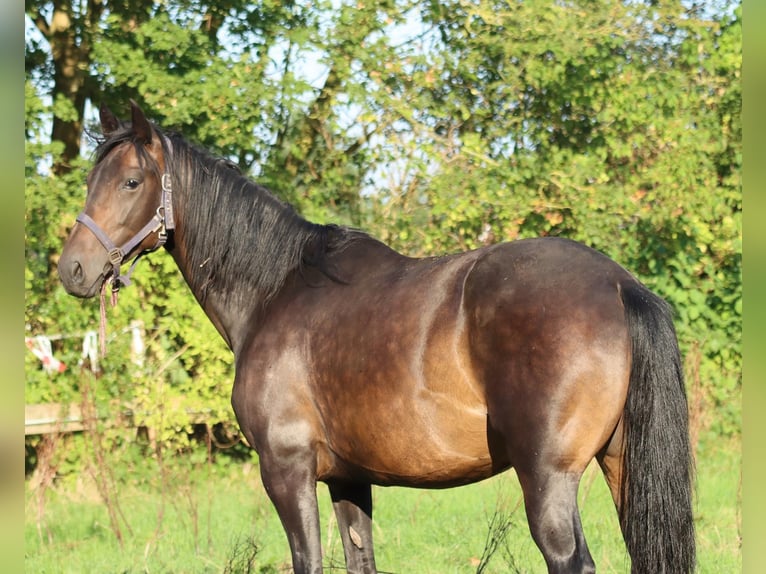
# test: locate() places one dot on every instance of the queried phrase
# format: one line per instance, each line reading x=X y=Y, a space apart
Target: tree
x=69 y=31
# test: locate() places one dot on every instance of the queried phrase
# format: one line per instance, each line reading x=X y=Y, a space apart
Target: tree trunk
x=69 y=36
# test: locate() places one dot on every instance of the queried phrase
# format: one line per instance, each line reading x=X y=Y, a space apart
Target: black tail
x=658 y=471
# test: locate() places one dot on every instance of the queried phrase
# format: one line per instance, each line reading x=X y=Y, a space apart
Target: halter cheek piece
x=162 y=221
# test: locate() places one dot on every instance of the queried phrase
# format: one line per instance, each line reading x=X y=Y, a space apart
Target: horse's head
x=128 y=208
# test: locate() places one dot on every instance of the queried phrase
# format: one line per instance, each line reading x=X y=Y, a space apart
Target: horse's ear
x=109 y=122
x=141 y=126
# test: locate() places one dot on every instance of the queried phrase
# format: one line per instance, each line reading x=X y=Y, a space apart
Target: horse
x=356 y=365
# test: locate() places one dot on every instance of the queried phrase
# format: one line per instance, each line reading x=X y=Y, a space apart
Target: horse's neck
x=235 y=311
x=230 y=305
x=227 y=320
x=236 y=246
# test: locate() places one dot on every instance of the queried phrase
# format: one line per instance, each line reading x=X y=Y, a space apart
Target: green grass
x=215 y=519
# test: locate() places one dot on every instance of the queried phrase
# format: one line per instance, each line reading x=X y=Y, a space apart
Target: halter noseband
x=162 y=221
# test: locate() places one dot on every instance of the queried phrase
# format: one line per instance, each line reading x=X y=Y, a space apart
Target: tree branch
x=39 y=20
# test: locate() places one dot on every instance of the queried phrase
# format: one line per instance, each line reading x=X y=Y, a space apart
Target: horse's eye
x=132 y=183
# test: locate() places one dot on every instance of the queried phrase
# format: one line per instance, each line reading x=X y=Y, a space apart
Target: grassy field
x=205 y=519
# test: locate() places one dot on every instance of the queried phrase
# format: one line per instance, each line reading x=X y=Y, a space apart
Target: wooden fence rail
x=50 y=418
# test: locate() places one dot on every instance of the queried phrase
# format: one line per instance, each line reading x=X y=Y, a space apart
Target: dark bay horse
x=356 y=365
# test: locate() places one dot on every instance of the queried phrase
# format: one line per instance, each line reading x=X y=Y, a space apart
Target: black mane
x=236 y=232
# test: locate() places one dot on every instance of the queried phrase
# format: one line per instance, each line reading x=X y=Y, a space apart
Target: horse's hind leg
x=353 y=509
x=554 y=520
x=611 y=460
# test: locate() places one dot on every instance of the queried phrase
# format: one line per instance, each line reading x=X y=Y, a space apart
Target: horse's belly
x=433 y=443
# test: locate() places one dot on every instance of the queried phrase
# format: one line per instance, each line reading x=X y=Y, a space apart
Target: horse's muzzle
x=77 y=279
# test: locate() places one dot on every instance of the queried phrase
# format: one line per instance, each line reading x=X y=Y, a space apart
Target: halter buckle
x=167 y=201
x=115 y=256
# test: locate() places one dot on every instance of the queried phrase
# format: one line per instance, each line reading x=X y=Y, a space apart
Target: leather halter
x=162 y=221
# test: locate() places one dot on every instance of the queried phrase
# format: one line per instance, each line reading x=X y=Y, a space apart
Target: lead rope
x=102 y=324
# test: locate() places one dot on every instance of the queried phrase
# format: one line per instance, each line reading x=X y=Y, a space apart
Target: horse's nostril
x=77 y=274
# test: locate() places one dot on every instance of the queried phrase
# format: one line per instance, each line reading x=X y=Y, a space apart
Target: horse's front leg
x=291 y=485
x=274 y=412
x=353 y=509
